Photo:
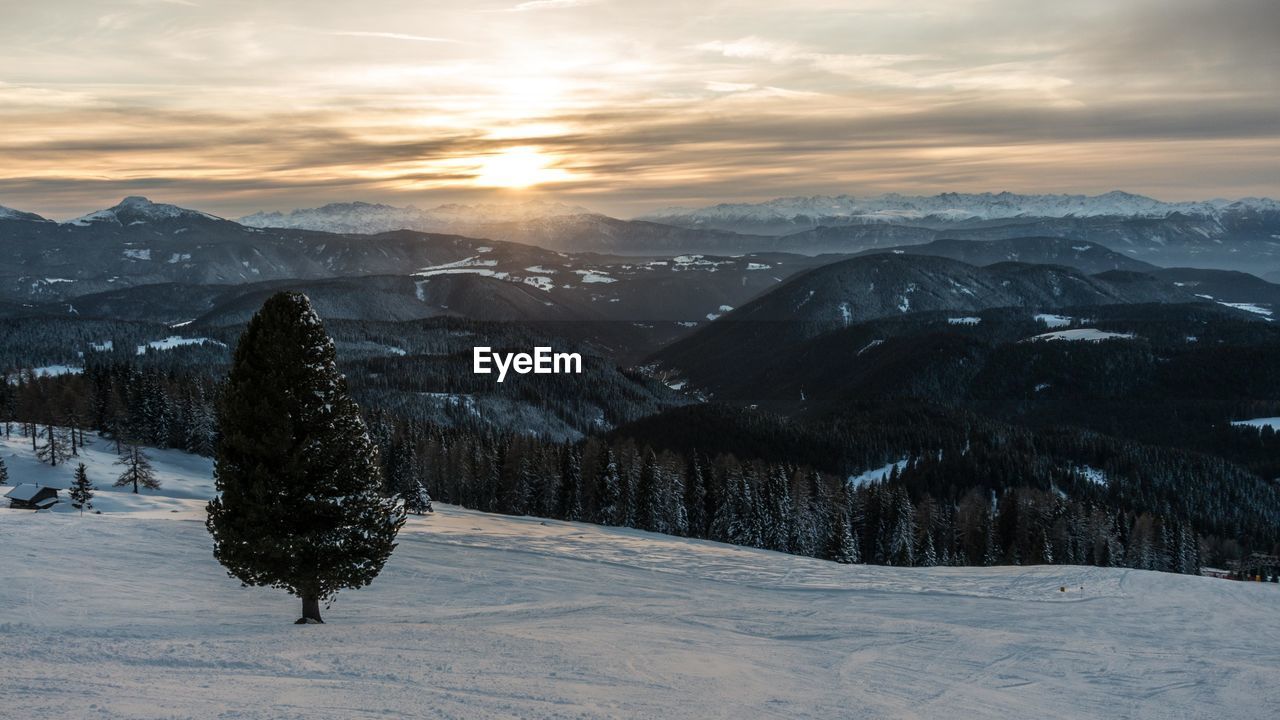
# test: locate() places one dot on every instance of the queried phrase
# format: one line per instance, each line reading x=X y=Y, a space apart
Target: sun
x=517 y=167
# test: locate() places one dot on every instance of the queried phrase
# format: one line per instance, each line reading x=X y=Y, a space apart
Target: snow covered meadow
x=127 y=615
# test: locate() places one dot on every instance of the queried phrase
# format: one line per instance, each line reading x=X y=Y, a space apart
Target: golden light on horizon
x=518 y=167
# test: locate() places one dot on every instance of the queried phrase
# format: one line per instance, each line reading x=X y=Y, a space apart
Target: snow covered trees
x=137 y=469
x=415 y=497
x=569 y=502
x=4 y=473
x=609 y=490
x=299 y=505
x=840 y=545
x=81 y=491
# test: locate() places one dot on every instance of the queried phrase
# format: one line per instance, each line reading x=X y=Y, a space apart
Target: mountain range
x=112 y=262
x=369 y=218
x=1022 y=321
x=1241 y=235
x=845 y=293
x=1224 y=234
x=786 y=215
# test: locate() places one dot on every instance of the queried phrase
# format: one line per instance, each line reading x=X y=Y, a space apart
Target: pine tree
x=675 y=517
x=902 y=541
x=81 y=491
x=734 y=520
x=928 y=555
x=4 y=473
x=840 y=545
x=610 y=490
x=524 y=491
x=776 y=510
x=406 y=483
x=299 y=506
x=415 y=497
x=137 y=470
x=695 y=499
x=648 y=496
x=570 y=500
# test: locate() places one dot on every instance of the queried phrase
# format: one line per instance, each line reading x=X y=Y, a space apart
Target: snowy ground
x=127 y=615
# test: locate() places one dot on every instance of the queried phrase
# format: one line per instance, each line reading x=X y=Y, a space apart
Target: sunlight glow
x=518 y=167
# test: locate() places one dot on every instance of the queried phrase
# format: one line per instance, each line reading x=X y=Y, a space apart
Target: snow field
x=127 y=615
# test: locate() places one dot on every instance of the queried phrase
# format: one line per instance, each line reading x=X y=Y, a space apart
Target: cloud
x=728 y=87
x=892 y=69
x=390 y=36
x=237 y=107
x=550 y=5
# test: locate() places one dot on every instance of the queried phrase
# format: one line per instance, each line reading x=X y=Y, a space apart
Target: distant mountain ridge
x=842 y=294
x=7 y=213
x=1082 y=255
x=787 y=215
x=1219 y=234
x=883 y=285
x=367 y=218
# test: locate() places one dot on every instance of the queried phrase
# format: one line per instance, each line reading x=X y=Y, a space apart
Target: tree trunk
x=310 y=611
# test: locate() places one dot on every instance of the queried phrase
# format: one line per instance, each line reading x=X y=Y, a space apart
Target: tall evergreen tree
x=648 y=495
x=299 y=506
x=840 y=545
x=4 y=473
x=610 y=490
x=902 y=539
x=81 y=491
x=695 y=498
x=570 y=501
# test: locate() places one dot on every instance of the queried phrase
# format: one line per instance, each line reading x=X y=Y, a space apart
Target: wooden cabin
x=30 y=496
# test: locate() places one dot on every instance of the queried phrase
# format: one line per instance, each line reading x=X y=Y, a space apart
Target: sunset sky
x=235 y=106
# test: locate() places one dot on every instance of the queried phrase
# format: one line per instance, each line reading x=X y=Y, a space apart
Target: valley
x=966 y=362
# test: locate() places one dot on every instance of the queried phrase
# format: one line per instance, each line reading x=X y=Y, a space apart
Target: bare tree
x=137 y=469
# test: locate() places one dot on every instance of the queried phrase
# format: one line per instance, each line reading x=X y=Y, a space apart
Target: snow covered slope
x=186 y=481
x=126 y=614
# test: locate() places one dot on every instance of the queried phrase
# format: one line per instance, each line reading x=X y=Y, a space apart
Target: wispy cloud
x=728 y=87
x=390 y=36
x=550 y=5
x=236 y=106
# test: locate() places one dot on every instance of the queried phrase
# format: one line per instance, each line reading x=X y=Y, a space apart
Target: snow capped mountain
x=135 y=210
x=790 y=214
x=354 y=217
x=7 y=213
x=505 y=212
x=362 y=217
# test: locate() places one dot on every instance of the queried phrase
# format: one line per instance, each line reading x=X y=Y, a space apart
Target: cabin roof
x=27 y=491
